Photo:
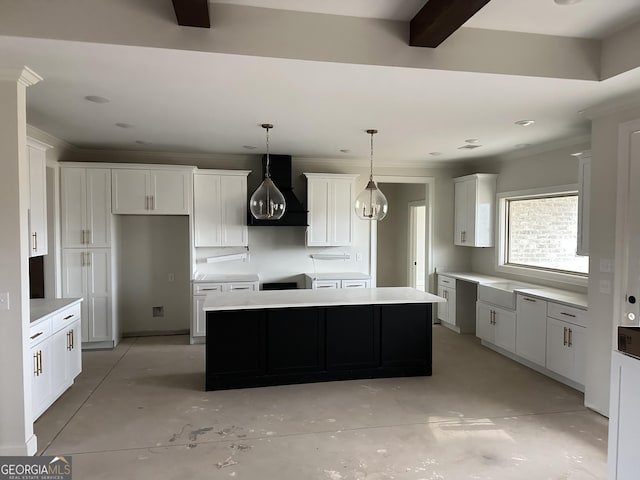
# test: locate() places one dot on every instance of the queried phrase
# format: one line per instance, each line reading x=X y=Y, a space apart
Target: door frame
x=429 y=199
x=411 y=244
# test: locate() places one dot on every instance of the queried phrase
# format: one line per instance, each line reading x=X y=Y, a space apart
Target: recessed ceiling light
x=472 y=140
x=249 y=147
x=124 y=125
x=468 y=147
x=435 y=154
x=345 y=150
x=143 y=142
x=523 y=145
x=525 y=123
x=96 y=99
x=567 y=2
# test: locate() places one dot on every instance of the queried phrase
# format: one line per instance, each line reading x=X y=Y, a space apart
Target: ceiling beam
x=192 y=13
x=440 y=18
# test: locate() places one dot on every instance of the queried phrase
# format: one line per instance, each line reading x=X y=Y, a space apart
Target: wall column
x=16 y=433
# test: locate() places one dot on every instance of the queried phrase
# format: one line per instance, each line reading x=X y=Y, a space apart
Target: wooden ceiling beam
x=440 y=18
x=192 y=13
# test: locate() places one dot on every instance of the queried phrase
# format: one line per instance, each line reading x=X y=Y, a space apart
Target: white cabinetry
x=37 y=197
x=220 y=208
x=496 y=325
x=85 y=207
x=200 y=292
x=531 y=337
x=337 y=280
x=474 y=210
x=447 y=311
x=157 y=191
x=54 y=342
x=584 y=202
x=330 y=200
x=566 y=341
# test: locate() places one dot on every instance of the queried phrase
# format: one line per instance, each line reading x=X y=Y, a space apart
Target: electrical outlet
x=358 y=256
x=4 y=301
x=157 y=311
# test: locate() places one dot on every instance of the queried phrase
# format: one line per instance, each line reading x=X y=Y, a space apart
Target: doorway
x=417 y=245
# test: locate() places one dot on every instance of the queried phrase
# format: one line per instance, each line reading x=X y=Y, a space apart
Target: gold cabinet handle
x=35 y=241
x=153 y=202
x=35 y=364
x=568 y=314
x=73 y=340
x=529 y=299
x=36 y=335
x=570 y=338
x=565 y=336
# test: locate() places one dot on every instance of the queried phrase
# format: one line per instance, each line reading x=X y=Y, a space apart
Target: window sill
x=577 y=280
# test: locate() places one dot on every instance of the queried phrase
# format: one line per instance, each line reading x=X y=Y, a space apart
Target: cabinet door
x=318 y=204
x=406 y=336
x=504 y=323
x=41 y=378
x=73 y=205
x=198 y=328
x=37 y=202
x=341 y=212
x=461 y=212
x=233 y=196
x=584 y=205
x=559 y=355
x=60 y=373
x=577 y=343
x=98 y=208
x=130 y=192
x=74 y=282
x=170 y=192
x=484 y=322
x=98 y=295
x=443 y=308
x=74 y=352
x=531 y=331
x=207 y=218
x=355 y=284
x=295 y=339
x=318 y=284
x=352 y=338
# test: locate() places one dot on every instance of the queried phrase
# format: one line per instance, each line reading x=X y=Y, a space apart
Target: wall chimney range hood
x=295 y=214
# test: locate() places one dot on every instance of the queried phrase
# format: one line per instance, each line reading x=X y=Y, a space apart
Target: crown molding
x=619 y=104
x=22 y=75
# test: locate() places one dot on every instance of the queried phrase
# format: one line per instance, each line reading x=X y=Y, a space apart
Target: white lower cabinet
x=447 y=311
x=56 y=356
x=565 y=349
x=344 y=280
x=531 y=328
x=496 y=325
x=200 y=292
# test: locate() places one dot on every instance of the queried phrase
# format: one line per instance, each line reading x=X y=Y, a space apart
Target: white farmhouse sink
x=501 y=294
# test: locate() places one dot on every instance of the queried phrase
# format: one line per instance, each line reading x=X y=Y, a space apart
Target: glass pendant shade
x=267 y=202
x=371 y=204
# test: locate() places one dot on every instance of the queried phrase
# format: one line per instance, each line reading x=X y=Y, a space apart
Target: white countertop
x=567 y=297
x=339 y=276
x=225 y=277
x=316 y=298
x=42 y=307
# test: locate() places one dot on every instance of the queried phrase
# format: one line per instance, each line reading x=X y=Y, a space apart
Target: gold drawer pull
x=36 y=335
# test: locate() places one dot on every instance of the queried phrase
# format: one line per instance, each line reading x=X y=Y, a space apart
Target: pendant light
x=371 y=204
x=267 y=202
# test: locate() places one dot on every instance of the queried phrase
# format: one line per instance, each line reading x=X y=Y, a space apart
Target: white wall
x=150 y=248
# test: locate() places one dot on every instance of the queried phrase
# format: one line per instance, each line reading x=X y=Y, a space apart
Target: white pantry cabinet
x=151 y=191
x=531 y=337
x=474 y=210
x=584 y=202
x=87 y=274
x=220 y=208
x=54 y=342
x=496 y=325
x=330 y=199
x=37 y=154
x=85 y=207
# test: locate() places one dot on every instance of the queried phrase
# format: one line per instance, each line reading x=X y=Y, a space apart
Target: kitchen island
x=296 y=336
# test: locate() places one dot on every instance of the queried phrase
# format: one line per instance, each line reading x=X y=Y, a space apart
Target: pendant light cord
x=267 y=173
x=371 y=162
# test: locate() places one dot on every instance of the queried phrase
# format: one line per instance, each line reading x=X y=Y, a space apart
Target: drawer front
x=318 y=284
x=39 y=332
x=240 y=286
x=204 y=288
x=65 y=317
x=355 y=283
x=445 y=281
x=567 y=314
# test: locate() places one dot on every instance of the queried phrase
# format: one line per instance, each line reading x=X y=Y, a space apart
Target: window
x=539 y=233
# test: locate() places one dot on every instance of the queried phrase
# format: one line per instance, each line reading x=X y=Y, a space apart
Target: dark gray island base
x=258 y=347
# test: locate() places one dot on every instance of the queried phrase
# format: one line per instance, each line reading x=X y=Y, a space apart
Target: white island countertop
x=316 y=298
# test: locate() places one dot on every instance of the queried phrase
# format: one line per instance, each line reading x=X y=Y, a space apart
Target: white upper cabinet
x=37 y=153
x=85 y=207
x=151 y=191
x=220 y=208
x=584 y=195
x=330 y=199
x=474 y=210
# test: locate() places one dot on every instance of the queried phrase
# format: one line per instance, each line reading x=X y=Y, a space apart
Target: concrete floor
x=140 y=411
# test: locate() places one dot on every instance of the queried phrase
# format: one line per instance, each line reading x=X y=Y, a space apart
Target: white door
x=73 y=204
x=130 y=191
x=98 y=209
x=98 y=265
x=417 y=245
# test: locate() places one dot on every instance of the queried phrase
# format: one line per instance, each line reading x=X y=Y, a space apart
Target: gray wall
x=393 y=234
x=150 y=248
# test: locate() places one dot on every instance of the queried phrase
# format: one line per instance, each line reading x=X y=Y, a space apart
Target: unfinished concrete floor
x=140 y=411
